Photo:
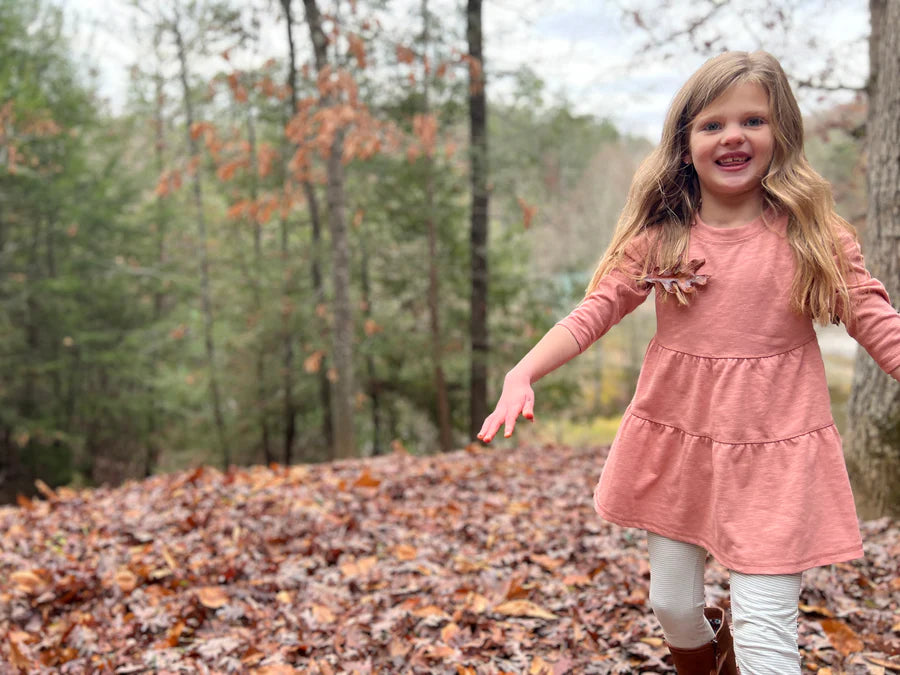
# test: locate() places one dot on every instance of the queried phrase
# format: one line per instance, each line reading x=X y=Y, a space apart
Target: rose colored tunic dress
x=729 y=442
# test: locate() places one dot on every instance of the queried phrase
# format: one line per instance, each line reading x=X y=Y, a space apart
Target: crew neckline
x=728 y=234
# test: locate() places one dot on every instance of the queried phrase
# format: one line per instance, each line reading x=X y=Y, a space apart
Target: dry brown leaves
x=478 y=562
x=680 y=280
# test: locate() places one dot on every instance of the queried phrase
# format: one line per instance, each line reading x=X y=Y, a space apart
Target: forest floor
x=480 y=561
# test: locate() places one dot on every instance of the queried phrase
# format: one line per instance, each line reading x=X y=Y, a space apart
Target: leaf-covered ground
x=481 y=561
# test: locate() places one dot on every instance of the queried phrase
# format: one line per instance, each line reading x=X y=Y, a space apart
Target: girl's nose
x=733 y=134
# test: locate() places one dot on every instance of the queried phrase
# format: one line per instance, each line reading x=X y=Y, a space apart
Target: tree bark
x=873 y=435
x=312 y=202
x=478 y=330
x=374 y=385
x=343 y=390
x=159 y=297
x=440 y=385
x=287 y=337
x=262 y=407
x=319 y=291
x=206 y=301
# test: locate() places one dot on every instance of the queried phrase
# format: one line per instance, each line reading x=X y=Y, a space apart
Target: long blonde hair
x=665 y=192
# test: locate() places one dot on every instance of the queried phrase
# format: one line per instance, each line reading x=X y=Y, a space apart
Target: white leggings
x=764 y=608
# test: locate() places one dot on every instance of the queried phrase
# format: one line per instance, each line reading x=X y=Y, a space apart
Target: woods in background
x=329 y=255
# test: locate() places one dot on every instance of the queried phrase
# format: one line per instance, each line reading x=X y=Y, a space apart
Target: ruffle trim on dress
x=780 y=567
x=780 y=505
x=634 y=415
x=679 y=352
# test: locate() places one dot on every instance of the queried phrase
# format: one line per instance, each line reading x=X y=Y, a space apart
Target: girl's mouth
x=735 y=161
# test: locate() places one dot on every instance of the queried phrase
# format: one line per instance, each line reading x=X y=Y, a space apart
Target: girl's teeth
x=733 y=161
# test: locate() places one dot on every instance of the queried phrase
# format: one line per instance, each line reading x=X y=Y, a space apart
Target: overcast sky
x=582 y=48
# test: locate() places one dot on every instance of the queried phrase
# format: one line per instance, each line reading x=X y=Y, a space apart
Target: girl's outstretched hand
x=516 y=399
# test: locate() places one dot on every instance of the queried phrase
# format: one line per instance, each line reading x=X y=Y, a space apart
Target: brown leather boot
x=713 y=658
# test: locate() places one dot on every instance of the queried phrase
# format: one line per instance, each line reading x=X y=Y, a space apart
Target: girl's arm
x=874 y=323
x=617 y=294
x=557 y=347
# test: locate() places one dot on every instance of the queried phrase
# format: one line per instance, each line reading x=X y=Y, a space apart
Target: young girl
x=728 y=445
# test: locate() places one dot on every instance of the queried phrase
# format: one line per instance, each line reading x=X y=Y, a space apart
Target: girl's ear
x=686 y=158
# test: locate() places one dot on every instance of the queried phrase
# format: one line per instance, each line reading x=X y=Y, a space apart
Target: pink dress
x=729 y=442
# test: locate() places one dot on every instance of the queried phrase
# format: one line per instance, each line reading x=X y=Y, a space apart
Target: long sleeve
x=615 y=296
x=875 y=323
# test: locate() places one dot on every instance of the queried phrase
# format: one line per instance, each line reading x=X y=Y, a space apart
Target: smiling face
x=731 y=145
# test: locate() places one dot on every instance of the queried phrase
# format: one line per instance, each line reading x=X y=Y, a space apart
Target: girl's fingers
x=489 y=428
x=528 y=409
x=510 y=422
x=505 y=415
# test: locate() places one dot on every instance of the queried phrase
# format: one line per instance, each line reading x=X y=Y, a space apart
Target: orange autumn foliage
x=358 y=49
x=425 y=129
x=169 y=182
x=227 y=170
x=265 y=156
x=476 y=74
x=405 y=54
x=239 y=209
x=238 y=90
x=528 y=211
x=265 y=208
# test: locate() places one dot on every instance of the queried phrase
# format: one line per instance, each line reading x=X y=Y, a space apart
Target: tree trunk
x=374 y=384
x=479 y=229
x=312 y=202
x=203 y=251
x=262 y=407
x=343 y=391
x=873 y=436
x=319 y=290
x=151 y=458
x=440 y=385
x=289 y=410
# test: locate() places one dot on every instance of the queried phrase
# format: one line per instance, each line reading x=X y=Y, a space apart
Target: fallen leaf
x=577 y=580
x=322 y=614
x=523 y=608
x=19 y=660
x=430 y=611
x=27 y=581
x=475 y=602
x=679 y=280
x=358 y=568
x=438 y=652
x=212 y=597
x=449 y=631
x=366 y=479
x=45 y=490
x=276 y=669
x=173 y=635
x=841 y=636
x=539 y=667
x=404 y=552
x=884 y=663
x=548 y=563
x=126 y=580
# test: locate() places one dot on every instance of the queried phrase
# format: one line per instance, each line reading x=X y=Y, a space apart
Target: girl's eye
x=710 y=126
x=755 y=122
